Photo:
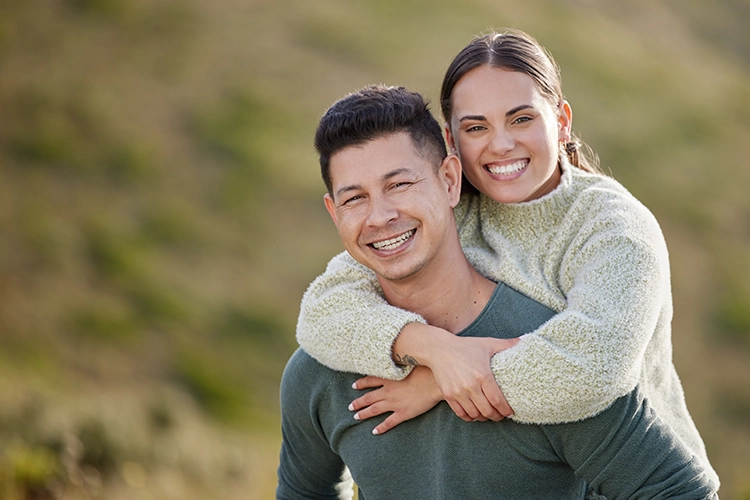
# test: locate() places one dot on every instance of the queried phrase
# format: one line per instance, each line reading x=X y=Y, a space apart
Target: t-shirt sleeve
x=308 y=468
x=627 y=451
x=346 y=324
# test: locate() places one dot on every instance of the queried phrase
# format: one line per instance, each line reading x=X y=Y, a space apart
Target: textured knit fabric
x=626 y=451
x=590 y=251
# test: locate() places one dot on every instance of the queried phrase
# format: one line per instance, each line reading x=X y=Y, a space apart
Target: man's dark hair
x=373 y=112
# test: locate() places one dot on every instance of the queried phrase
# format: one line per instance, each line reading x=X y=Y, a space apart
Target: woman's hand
x=463 y=373
x=407 y=398
x=461 y=368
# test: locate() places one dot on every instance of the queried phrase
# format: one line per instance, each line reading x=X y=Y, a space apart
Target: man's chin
x=398 y=274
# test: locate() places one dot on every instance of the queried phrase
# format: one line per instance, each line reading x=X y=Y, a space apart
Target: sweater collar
x=539 y=214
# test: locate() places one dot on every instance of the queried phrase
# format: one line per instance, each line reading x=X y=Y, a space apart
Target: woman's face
x=506 y=134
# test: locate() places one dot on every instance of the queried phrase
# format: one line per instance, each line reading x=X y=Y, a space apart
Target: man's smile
x=393 y=243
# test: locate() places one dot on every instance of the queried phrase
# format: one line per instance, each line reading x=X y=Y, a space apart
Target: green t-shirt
x=626 y=451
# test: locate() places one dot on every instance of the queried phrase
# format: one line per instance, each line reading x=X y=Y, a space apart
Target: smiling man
x=391 y=191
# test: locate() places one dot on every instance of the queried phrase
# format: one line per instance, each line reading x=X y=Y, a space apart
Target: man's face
x=391 y=207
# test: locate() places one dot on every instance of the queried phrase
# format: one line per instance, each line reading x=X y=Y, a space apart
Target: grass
x=161 y=216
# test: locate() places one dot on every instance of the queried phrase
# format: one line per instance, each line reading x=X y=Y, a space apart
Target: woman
x=545 y=222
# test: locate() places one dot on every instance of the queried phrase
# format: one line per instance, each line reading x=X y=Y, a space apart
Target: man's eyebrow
x=345 y=189
x=394 y=173
x=484 y=118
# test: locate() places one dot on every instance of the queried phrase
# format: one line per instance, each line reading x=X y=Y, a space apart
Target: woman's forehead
x=500 y=90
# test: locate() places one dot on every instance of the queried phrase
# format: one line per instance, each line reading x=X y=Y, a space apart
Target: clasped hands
x=451 y=368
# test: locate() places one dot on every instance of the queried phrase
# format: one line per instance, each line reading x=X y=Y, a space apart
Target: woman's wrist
x=420 y=344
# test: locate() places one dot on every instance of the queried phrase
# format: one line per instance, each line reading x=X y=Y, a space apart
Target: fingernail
x=354 y=385
x=356 y=416
x=351 y=406
x=375 y=431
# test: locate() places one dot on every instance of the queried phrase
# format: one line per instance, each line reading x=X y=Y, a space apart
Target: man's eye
x=522 y=119
x=352 y=199
x=402 y=184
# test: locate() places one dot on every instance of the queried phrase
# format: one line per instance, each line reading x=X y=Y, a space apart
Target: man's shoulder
x=304 y=372
x=505 y=296
x=508 y=314
x=301 y=365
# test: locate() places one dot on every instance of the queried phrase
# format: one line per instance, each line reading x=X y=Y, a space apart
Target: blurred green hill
x=161 y=212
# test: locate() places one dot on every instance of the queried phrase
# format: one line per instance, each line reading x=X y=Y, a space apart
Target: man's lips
x=393 y=243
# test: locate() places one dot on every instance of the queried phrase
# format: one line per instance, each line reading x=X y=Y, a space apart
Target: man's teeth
x=508 y=169
x=393 y=242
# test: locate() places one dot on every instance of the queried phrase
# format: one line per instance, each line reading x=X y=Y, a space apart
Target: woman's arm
x=346 y=324
x=618 y=301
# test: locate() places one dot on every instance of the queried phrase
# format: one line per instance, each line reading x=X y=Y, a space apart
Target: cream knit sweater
x=588 y=250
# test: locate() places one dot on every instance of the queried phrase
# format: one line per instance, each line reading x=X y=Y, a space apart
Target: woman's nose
x=501 y=142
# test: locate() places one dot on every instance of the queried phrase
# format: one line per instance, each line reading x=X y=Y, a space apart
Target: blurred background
x=161 y=212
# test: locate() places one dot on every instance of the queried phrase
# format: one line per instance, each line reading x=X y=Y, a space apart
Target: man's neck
x=449 y=297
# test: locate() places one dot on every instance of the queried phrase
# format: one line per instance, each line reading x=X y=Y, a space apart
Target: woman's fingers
x=389 y=423
x=368 y=383
x=372 y=411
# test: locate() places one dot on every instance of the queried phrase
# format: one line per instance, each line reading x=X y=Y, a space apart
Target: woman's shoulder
x=610 y=197
x=602 y=204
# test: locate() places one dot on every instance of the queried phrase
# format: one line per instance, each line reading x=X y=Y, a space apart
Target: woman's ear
x=565 y=122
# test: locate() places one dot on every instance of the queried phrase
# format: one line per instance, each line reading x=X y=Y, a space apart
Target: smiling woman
x=507 y=134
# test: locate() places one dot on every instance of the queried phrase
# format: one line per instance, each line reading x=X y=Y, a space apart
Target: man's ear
x=450 y=173
x=331 y=207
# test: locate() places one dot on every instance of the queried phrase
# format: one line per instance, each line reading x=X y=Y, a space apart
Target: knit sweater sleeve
x=347 y=325
x=614 y=274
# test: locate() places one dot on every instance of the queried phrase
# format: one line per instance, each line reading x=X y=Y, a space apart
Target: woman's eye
x=522 y=119
x=474 y=128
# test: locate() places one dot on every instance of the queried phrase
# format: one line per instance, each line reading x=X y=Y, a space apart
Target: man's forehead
x=376 y=160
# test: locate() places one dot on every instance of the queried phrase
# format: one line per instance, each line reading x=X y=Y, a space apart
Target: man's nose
x=381 y=212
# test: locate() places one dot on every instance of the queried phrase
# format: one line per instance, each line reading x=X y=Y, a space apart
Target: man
x=391 y=190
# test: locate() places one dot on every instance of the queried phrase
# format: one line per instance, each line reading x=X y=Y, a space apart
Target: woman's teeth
x=393 y=242
x=508 y=169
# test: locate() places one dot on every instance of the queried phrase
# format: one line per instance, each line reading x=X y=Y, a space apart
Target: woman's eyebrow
x=519 y=108
x=484 y=118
